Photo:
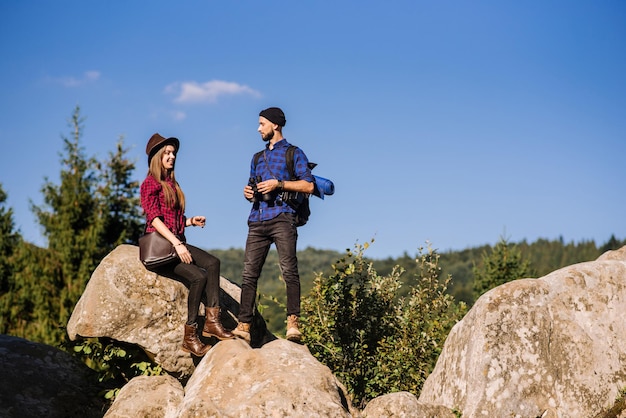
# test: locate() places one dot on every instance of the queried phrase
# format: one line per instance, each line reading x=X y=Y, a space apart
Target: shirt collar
x=280 y=144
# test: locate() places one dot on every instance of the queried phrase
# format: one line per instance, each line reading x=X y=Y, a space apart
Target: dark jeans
x=282 y=232
x=202 y=275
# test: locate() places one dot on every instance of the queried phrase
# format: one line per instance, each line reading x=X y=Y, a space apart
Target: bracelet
x=281 y=185
x=180 y=243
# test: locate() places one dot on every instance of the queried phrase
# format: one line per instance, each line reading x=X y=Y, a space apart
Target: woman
x=163 y=202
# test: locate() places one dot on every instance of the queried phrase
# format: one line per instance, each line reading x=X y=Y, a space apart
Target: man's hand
x=267 y=186
x=248 y=193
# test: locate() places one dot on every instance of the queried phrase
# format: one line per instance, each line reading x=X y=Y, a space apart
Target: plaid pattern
x=153 y=204
x=273 y=164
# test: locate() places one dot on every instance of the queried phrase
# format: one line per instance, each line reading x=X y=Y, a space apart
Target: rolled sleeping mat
x=323 y=187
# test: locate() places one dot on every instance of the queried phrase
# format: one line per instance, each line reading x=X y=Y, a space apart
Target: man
x=272 y=221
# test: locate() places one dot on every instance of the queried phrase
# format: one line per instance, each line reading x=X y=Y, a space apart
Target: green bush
x=372 y=339
x=115 y=362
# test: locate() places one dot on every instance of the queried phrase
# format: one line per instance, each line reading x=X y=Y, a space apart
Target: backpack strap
x=289 y=159
x=256 y=158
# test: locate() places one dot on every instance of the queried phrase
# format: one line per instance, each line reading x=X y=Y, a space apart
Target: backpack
x=296 y=200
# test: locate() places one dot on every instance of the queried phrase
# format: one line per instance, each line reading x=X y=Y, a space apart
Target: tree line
x=363 y=317
x=471 y=270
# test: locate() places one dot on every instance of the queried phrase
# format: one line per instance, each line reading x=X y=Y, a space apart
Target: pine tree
x=502 y=265
x=27 y=287
x=72 y=220
x=87 y=215
x=121 y=207
x=9 y=239
x=30 y=307
x=612 y=244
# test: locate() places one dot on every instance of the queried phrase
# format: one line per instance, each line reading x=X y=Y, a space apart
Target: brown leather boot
x=293 y=329
x=191 y=342
x=213 y=325
x=243 y=331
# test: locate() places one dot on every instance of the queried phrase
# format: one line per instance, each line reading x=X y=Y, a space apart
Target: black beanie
x=274 y=115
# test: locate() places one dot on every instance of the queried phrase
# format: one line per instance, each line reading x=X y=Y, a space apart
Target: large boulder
x=37 y=380
x=128 y=303
x=148 y=396
x=234 y=380
x=552 y=346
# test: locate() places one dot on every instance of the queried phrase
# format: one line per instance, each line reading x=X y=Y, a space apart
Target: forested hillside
x=543 y=256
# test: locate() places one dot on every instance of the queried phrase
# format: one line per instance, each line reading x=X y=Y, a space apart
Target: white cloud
x=177 y=115
x=92 y=75
x=88 y=76
x=194 y=92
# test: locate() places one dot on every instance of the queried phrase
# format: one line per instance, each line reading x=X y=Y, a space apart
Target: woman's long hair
x=173 y=198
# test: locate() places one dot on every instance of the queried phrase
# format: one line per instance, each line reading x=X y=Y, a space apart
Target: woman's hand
x=181 y=249
x=183 y=253
x=197 y=221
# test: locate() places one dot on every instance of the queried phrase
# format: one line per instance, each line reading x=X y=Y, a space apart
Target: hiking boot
x=213 y=325
x=293 y=329
x=191 y=342
x=243 y=331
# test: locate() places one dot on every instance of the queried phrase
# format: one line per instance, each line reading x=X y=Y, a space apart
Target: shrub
x=374 y=341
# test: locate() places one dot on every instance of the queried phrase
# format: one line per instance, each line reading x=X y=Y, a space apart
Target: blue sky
x=450 y=122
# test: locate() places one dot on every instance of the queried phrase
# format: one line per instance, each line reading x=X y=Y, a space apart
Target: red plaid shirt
x=153 y=204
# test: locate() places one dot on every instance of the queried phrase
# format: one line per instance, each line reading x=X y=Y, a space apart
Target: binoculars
x=258 y=196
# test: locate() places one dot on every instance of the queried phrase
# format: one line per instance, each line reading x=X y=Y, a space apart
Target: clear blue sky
x=451 y=122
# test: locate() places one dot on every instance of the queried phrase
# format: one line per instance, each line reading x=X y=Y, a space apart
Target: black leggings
x=202 y=275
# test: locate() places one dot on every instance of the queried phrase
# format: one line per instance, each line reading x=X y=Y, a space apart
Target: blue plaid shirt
x=273 y=165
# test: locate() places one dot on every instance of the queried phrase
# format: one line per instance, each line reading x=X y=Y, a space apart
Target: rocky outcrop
x=128 y=303
x=37 y=380
x=234 y=380
x=552 y=346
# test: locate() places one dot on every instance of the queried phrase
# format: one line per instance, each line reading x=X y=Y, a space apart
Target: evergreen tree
x=30 y=307
x=87 y=215
x=27 y=288
x=502 y=265
x=72 y=220
x=612 y=244
x=9 y=240
x=121 y=207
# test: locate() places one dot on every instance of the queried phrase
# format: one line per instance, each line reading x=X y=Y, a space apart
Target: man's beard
x=268 y=137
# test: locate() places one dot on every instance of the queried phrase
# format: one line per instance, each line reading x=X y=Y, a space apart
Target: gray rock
x=148 y=396
x=126 y=302
x=403 y=405
x=37 y=380
x=553 y=345
x=281 y=379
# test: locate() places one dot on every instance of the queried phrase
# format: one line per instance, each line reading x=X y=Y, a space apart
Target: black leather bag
x=155 y=250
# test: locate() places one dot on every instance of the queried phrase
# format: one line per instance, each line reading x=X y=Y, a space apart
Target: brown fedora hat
x=156 y=141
